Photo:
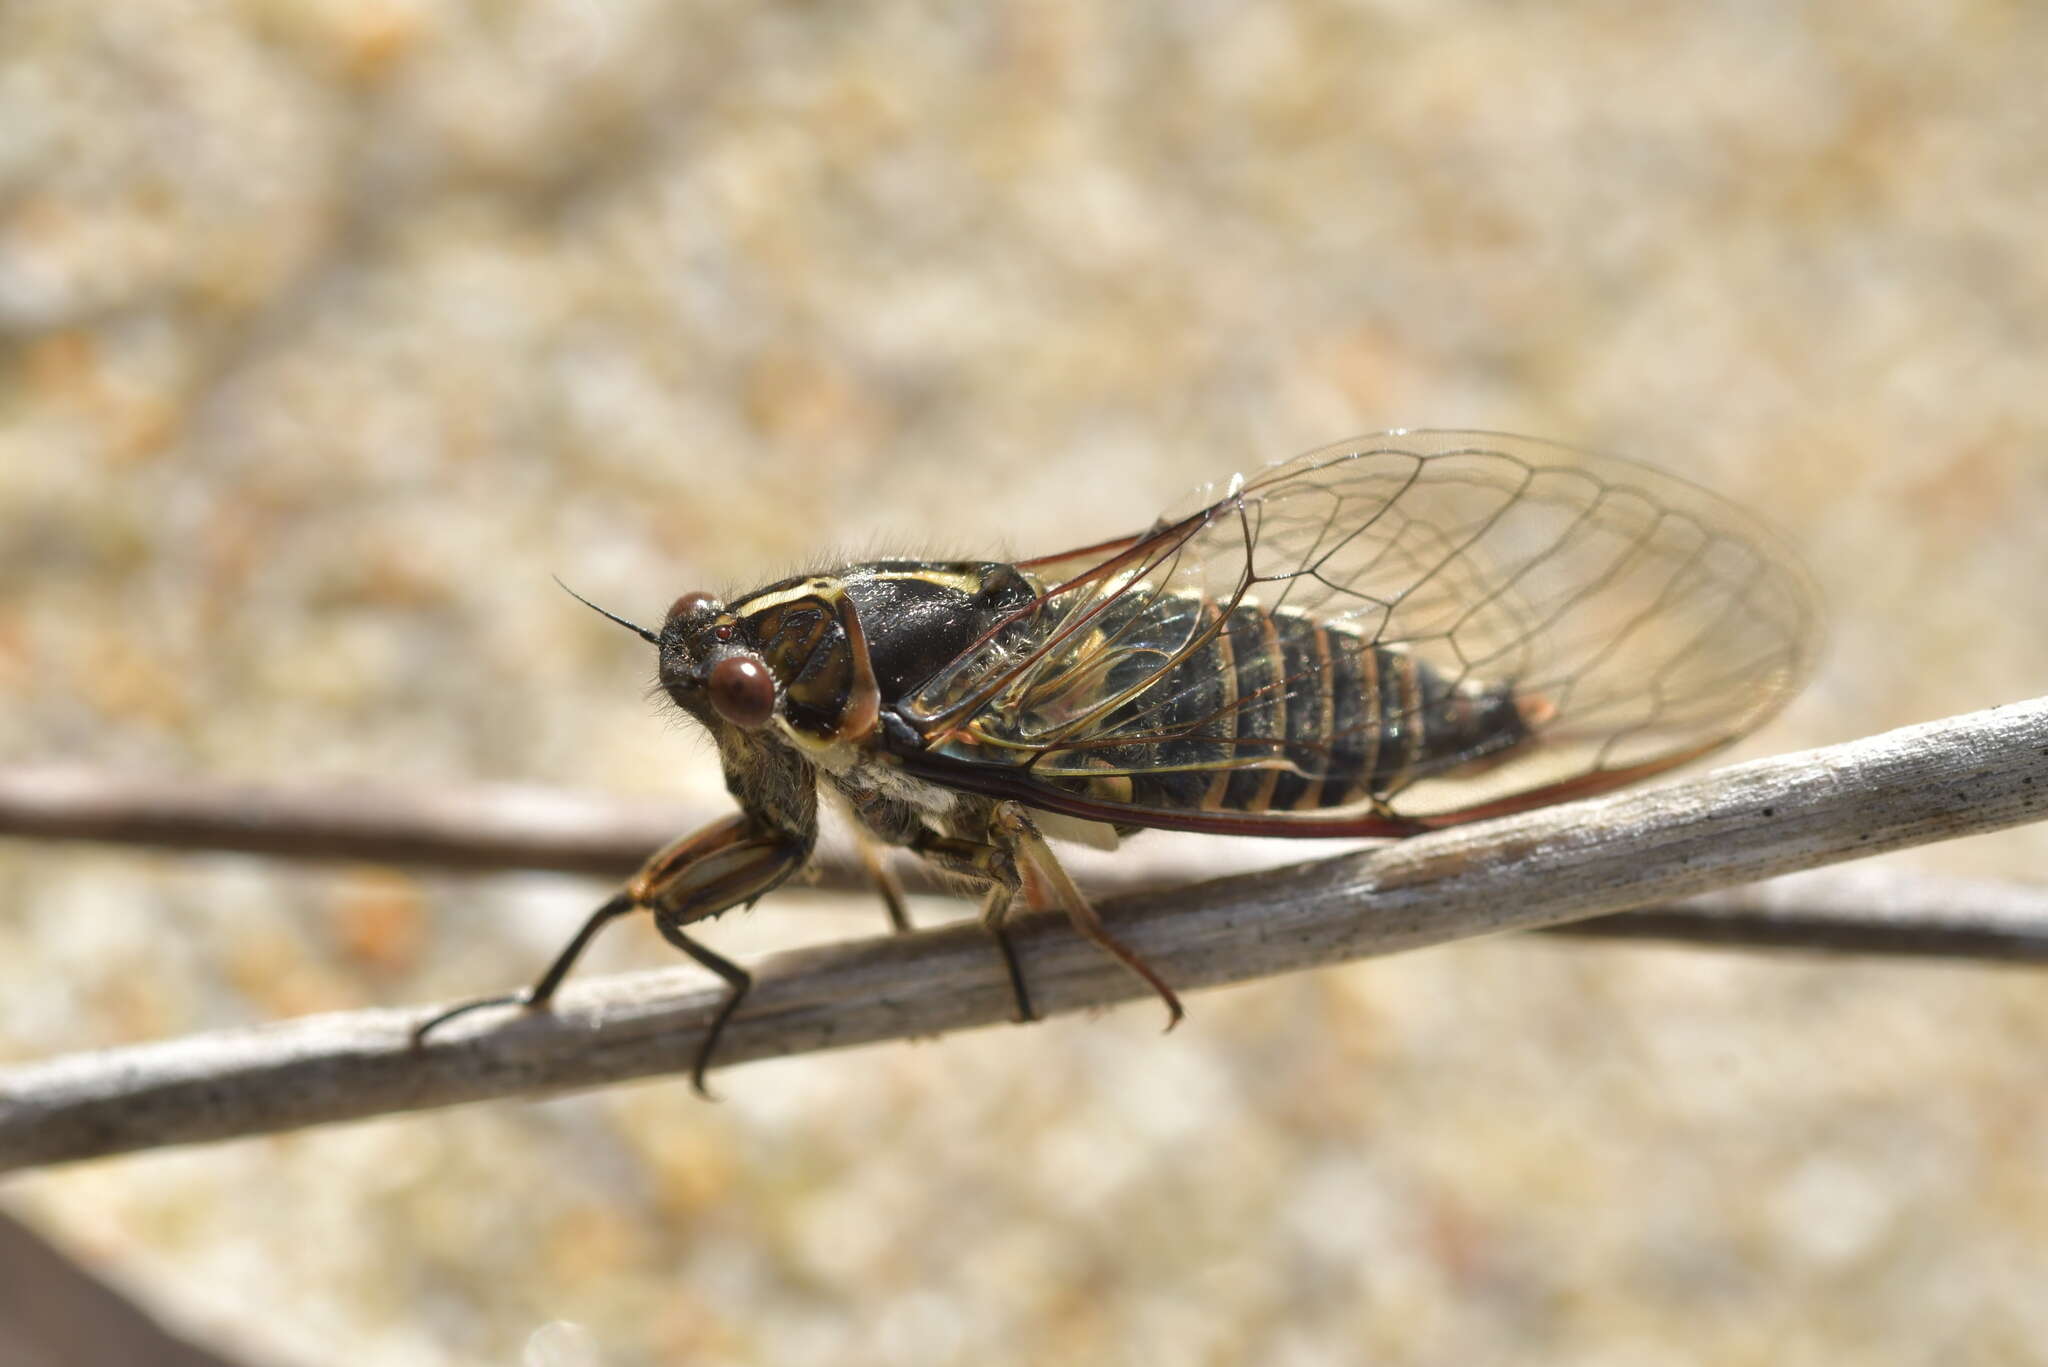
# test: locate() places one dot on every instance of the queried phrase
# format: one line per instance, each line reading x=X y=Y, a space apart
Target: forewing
x=1634 y=620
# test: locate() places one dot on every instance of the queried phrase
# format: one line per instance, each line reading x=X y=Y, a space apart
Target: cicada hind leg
x=1017 y=861
x=1047 y=884
x=997 y=868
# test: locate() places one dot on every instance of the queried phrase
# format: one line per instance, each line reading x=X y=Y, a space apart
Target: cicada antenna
x=642 y=632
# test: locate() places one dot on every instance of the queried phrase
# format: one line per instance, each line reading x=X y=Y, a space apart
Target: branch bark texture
x=1962 y=776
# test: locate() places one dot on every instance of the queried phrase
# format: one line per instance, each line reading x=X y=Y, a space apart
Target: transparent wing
x=1618 y=620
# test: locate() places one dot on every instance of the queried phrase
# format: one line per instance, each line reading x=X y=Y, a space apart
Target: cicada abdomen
x=1263 y=710
x=1367 y=639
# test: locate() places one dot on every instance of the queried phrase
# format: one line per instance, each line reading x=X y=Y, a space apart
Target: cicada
x=1374 y=639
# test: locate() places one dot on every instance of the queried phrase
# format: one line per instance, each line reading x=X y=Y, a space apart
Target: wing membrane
x=1182 y=676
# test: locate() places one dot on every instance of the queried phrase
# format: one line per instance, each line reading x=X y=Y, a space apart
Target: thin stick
x=486 y=828
x=1962 y=776
x=1865 y=909
x=473 y=828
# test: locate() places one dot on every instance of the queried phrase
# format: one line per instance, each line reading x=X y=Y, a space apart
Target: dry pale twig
x=1956 y=777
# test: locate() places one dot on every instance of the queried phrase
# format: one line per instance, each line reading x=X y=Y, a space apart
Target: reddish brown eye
x=690 y=605
x=743 y=691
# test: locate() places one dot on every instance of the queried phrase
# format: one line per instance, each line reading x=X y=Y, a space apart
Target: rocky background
x=330 y=329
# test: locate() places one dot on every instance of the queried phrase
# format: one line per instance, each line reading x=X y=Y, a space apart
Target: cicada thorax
x=1257 y=710
x=844 y=645
x=803 y=633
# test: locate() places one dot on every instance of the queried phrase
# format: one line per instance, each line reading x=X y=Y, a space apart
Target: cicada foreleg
x=728 y=863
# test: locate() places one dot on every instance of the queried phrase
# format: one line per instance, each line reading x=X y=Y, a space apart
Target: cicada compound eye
x=743 y=691
x=692 y=605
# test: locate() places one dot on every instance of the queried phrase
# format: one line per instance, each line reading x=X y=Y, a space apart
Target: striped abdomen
x=1277 y=712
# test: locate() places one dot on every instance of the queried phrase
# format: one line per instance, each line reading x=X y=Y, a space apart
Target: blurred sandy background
x=330 y=330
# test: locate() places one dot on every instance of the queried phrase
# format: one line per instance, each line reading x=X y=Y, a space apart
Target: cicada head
x=713 y=667
x=717 y=669
x=788 y=658
x=711 y=663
